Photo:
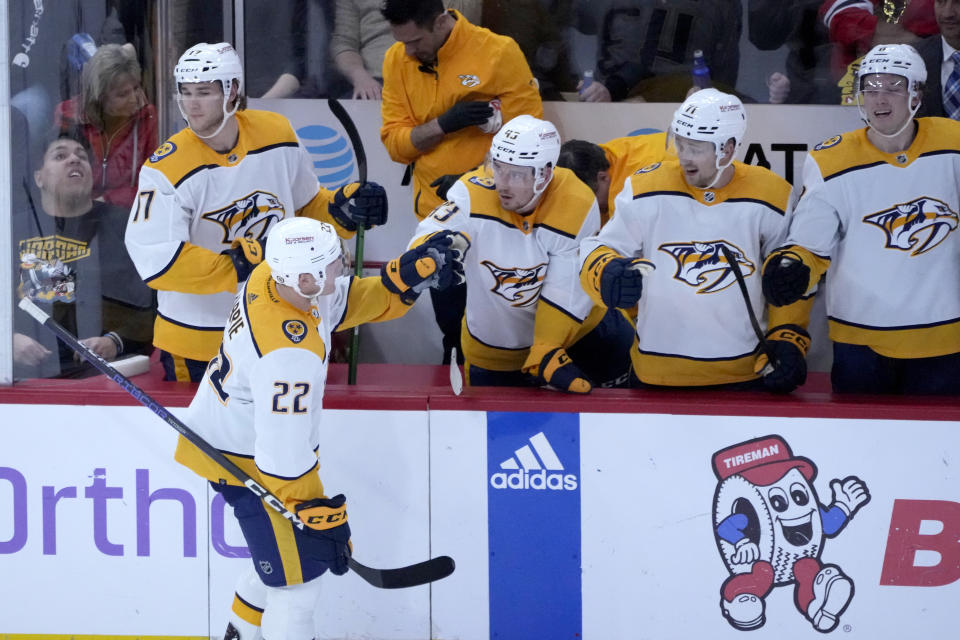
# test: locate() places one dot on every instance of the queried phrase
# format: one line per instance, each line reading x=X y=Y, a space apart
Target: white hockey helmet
x=712 y=116
x=301 y=245
x=899 y=60
x=528 y=142
x=205 y=62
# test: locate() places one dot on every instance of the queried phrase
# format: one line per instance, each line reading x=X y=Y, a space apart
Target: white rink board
x=651 y=565
x=378 y=459
x=418 y=485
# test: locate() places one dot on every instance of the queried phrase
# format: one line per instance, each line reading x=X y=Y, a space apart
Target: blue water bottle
x=701 y=72
x=587 y=80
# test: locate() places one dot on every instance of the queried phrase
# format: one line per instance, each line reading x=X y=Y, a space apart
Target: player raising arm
x=260 y=404
x=521 y=220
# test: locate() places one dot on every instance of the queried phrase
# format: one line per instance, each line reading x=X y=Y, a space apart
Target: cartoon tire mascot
x=770 y=527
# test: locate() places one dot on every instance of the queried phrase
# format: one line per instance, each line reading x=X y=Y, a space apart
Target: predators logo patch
x=163 y=151
x=250 y=216
x=703 y=265
x=916 y=226
x=518 y=285
x=295 y=330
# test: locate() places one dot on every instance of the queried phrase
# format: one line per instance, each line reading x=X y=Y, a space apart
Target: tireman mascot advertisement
x=770 y=526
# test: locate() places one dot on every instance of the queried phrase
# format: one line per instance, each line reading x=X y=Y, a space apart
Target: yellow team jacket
x=473 y=64
x=625 y=156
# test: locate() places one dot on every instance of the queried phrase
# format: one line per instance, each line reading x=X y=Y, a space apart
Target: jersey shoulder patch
x=832 y=141
x=163 y=151
x=295 y=330
x=649 y=168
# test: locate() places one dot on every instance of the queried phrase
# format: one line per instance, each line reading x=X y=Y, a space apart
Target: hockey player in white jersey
x=260 y=404
x=663 y=254
x=521 y=219
x=878 y=217
x=207 y=198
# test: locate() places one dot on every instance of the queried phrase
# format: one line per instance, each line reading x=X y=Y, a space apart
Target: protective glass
x=511 y=174
x=885 y=82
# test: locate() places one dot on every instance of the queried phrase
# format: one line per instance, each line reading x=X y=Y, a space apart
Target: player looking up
x=260 y=403
x=209 y=195
x=877 y=216
x=663 y=254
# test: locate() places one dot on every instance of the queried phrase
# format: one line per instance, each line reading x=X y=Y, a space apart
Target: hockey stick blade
x=404 y=577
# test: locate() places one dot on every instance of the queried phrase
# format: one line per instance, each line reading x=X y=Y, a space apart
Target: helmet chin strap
x=719 y=172
x=866 y=118
x=223 y=110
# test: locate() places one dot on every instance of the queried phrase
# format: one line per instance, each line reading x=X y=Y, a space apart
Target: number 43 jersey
x=260 y=400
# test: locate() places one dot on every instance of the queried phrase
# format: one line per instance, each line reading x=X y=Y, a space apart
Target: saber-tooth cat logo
x=534 y=466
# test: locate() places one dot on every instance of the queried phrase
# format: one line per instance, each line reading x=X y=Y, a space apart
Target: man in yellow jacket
x=447 y=87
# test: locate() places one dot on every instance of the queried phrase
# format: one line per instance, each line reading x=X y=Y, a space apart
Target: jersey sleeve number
x=144 y=200
x=444 y=212
x=219 y=370
x=282 y=404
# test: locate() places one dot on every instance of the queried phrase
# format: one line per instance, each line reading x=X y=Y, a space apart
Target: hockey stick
x=411 y=576
x=347 y=123
x=764 y=346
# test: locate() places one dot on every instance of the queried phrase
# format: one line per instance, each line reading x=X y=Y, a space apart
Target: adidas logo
x=534 y=466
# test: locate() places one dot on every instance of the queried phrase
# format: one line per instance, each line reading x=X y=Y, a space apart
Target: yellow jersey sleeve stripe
x=196 y=270
x=556 y=306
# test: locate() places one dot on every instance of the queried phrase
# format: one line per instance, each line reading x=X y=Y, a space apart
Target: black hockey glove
x=442 y=184
x=558 y=371
x=245 y=253
x=437 y=263
x=359 y=205
x=326 y=519
x=464 y=114
x=789 y=344
x=785 y=278
x=621 y=282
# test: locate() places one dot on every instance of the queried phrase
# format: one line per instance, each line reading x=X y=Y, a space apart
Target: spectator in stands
x=632 y=60
x=120 y=125
x=682 y=230
x=878 y=209
x=276 y=66
x=539 y=27
x=520 y=221
x=447 y=86
x=72 y=262
x=941 y=94
x=772 y=24
x=606 y=167
x=361 y=37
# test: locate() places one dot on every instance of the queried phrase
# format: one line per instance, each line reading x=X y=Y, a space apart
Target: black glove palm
x=359 y=205
x=245 y=253
x=788 y=345
x=464 y=114
x=785 y=279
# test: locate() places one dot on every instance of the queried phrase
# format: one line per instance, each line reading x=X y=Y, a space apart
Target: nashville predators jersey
x=521 y=271
x=692 y=327
x=193 y=202
x=474 y=64
x=886 y=226
x=625 y=156
x=261 y=397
